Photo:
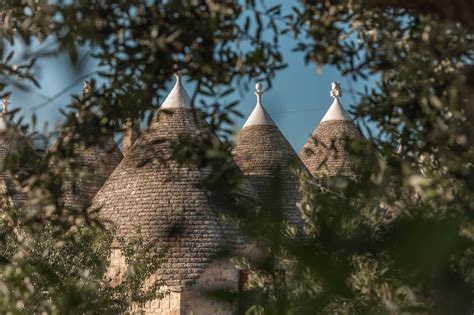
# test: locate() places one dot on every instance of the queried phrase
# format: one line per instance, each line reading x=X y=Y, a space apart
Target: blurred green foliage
x=395 y=238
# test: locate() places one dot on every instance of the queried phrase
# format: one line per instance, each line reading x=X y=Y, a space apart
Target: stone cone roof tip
x=259 y=115
x=178 y=97
x=336 y=111
x=261 y=149
x=166 y=199
x=324 y=153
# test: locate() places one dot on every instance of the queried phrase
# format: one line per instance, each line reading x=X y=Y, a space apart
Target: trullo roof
x=262 y=152
x=165 y=199
x=12 y=141
x=93 y=165
x=324 y=154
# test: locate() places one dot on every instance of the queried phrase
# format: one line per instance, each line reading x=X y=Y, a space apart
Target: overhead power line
x=299 y=110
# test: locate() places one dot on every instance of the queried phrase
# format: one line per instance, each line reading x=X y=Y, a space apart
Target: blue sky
x=297 y=100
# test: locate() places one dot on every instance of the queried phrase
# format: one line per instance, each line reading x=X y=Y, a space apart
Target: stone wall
x=168 y=305
x=220 y=274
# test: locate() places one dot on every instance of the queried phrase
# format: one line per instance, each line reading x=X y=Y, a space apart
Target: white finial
x=178 y=96
x=259 y=92
x=87 y=88
x=336 y=111
x=5 y=103
x=3 y=119
x=259 y=88
x=259 y=116
x=336 y=90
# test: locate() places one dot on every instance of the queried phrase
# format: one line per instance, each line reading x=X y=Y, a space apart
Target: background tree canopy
x=396 y=238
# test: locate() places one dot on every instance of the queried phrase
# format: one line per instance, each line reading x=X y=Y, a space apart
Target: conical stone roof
x=165 y=199
x=93 y=164
x=325 y=154
x=262 y=152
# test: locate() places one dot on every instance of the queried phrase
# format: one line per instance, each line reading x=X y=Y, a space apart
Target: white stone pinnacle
x=336 y=90
x=87 y=89
x=178 y=97
x=336 y=111
x=5 y=103
x=259 y=115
